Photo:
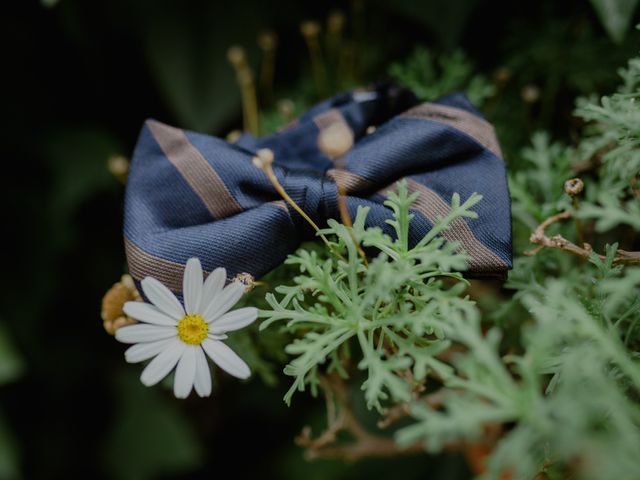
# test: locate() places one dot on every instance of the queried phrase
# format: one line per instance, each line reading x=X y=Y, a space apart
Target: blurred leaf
x=616 y=16
x=445 y=18
x=149 y=435
x=78 y=163
x=11 y=364
x=9 y=468
x=430 y=76
x=187 y=53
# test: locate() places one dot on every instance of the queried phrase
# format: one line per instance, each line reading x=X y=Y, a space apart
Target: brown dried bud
x=233 y=136
x=246 y=279
x=530 y=93
x=267 y=41
x=310 y=28
x=335 y=22
x=263 y=158
x=236 y=56
x=119 y=167
x=286 y=108
x=113 y=316
x=573 y=187
x=335 y=140
x=502 y=76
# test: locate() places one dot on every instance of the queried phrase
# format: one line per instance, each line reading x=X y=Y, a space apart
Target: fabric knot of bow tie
x=194 y=195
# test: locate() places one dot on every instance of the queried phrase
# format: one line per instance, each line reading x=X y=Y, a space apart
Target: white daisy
x=181 y=336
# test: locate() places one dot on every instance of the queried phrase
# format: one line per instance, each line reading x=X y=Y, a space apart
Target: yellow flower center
x=192 y=329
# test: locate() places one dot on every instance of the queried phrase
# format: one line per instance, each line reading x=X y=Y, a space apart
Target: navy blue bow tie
x=194 y=195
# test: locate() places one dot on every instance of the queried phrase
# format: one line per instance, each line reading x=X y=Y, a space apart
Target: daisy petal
x=148 y=314
x=144 y=351
x=160 y=366
x=226 y=358
x=234 y=320
x=202 y=382
x=212 y=287
x=223 y=301
x=192 y=286
x=162 y=298
x=144 y=333
x=185 y=372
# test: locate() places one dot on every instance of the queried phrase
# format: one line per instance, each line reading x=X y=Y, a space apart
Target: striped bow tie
x=193 y=195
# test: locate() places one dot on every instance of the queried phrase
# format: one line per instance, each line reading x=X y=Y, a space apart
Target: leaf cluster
x=385 y=313
x=430 y=76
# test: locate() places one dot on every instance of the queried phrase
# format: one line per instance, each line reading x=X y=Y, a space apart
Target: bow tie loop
x=315 y=193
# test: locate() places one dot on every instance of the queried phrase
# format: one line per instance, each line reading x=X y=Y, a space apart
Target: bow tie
x=194 y=195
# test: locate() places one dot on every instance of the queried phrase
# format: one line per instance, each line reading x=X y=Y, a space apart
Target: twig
x=401 y=410
x=366 y=444
x=559 y=242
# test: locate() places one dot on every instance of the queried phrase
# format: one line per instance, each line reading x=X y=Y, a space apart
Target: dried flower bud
x=263 y=158
x=246 y=279
x=113 y=316
x=286 y=108
x=335 y=22
x=236 y=56
x=573 y=187
x=335 y=140
x=267 y=41
x=119 y=167
x=310 y=28
x=233 y=136
x=530 y=93
x=502 y=76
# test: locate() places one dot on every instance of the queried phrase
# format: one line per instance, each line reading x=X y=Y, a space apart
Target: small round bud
x=286 y=107
x=502 y=76
x=233 y=136
x=235 y=55
x=335 y=140
x=267 y=41
x=118 y=166
x=263 y=158
x=573 y=187
x=335 y=22
x=371 y=129
x=530 y=93
x=310 y=28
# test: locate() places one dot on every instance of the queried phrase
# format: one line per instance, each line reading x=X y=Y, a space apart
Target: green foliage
x=613 y=140
x=567 y=392
x=537 y=187
x=569 y=387
x=391 y=307
x=430 y=76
